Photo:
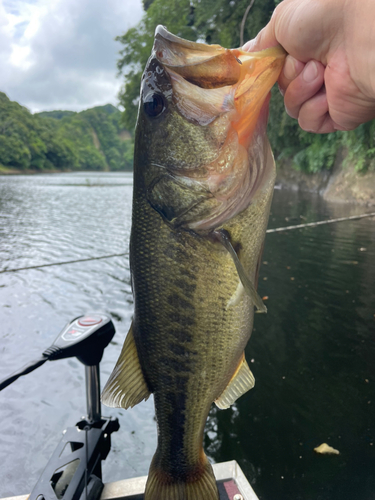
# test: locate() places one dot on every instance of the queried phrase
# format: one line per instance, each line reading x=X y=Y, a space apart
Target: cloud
x=61 y=54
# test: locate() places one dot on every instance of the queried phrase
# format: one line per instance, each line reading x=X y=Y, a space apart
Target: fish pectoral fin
x=242 y=381
x=126 y=386
x=245 y=280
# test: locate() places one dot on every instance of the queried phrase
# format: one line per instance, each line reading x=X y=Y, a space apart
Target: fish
x=203 y=182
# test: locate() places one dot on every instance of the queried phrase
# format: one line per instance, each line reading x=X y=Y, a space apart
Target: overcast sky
x=61 y=54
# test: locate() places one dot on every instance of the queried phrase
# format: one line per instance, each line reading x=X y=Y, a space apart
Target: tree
x=137 y=45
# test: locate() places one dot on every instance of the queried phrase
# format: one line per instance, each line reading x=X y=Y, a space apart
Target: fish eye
x=154 y=105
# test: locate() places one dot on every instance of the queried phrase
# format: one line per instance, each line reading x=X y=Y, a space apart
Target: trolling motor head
x=85 y=338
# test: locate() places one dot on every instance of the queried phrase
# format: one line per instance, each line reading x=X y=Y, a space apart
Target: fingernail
x=310 y=72
x=290 y=68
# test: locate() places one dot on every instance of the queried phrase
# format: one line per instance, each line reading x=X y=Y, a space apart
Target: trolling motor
x=74 y=471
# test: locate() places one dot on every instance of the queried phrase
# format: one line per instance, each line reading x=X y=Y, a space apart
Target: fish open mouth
x=222 y=89
x=222 y=80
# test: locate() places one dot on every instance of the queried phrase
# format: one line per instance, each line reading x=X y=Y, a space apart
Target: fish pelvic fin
x=199 y=485
x=126 y=386
x=245 y=280
x=242 y=381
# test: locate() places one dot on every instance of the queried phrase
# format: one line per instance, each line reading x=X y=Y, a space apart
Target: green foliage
x=14 y=152
x=137 y=44
x=318 y=152
x=218 y=21
x=64 y=140
x=361 y=146
x=57 y=114
x=146 y=4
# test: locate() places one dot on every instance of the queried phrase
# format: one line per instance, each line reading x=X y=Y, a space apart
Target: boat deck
x=231 y=481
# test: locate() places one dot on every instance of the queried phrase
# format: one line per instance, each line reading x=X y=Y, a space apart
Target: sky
x=61 y=54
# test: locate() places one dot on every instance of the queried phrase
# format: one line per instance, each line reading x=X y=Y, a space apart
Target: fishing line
x=276 y=230
x=319 y=223
x=63 y=263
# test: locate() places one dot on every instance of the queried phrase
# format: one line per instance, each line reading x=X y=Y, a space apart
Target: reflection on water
x=313 y=354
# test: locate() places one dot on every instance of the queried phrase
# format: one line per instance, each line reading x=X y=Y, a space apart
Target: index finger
x=266 y=38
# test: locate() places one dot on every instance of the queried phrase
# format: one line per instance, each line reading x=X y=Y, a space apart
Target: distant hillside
x=93 y=139
x=58 y=114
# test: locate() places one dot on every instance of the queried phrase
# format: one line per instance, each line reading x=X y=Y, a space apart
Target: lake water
x=313 y=354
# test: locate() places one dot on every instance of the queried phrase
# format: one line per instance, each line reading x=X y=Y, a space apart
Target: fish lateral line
x=223 y=237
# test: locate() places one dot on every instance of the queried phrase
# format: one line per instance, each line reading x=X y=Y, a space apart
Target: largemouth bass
x=203 y=182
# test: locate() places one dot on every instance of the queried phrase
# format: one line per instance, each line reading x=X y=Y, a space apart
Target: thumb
x=266 y=38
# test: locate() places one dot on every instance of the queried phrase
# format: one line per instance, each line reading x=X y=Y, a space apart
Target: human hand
x=328 y=79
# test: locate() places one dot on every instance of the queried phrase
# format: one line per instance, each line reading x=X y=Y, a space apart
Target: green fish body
x=203 y=184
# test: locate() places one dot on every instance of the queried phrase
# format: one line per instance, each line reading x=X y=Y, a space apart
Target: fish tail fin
x=198 y=486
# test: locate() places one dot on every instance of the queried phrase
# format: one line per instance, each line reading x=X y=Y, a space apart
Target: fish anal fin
x=241 y=382
x=126 y=386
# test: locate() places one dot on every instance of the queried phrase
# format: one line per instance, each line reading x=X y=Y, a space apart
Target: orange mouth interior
x=219 y=79
x=259 y=72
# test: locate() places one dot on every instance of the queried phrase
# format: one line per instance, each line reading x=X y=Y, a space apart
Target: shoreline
x=14 y=171
x=341 y=184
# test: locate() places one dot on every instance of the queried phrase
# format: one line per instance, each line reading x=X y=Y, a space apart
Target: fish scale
x=153 y=316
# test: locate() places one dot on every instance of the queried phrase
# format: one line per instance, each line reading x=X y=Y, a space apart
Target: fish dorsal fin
x=242 y=381
x=245 y=280
x=126 y=386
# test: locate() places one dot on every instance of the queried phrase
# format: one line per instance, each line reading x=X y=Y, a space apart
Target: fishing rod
x=74 y=471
